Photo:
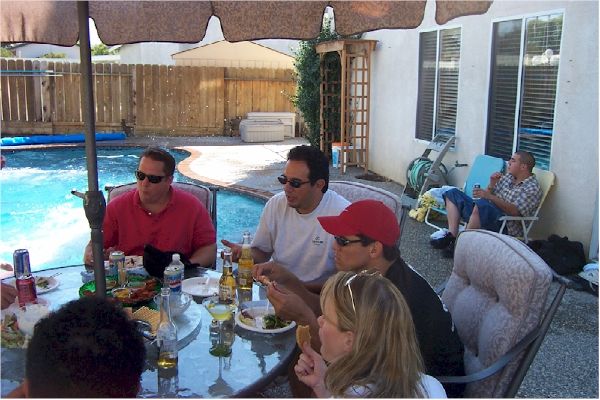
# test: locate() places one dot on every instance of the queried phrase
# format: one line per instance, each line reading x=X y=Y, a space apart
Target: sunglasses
x=152 y=178
x=349 y=281
x=342 y=241
x=294 y=182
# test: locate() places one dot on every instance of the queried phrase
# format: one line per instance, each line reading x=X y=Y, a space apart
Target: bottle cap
x=176 y=257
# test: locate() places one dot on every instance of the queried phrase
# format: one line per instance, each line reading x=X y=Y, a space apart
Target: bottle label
x=26 y=292
x=225 y=293
x=173 y=277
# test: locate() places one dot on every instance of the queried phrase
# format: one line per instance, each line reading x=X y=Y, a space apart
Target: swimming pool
x=39 y=213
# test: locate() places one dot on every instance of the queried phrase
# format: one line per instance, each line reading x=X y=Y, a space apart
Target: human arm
x=205 y=255
x=505 y=206
x=88 y=257
x=9 y=293
x=258 y=255
x=494 y=178
x=311 y=369
x=289 y=305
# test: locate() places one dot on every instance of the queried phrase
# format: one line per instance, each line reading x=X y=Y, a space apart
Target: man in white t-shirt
x=288 y=232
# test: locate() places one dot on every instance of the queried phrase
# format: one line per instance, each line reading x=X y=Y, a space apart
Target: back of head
x=162 y=155
x=386 y=359
x=88 y=348
x=317 y=162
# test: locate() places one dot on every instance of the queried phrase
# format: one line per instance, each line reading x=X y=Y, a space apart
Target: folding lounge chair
x=481 y=170
x=497 y=295
x=354 y=191
x=546 y=181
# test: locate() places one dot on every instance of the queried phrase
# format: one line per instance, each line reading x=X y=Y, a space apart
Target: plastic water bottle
x=174 y=274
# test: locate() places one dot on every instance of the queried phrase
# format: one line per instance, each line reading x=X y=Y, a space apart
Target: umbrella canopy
x=121 y=22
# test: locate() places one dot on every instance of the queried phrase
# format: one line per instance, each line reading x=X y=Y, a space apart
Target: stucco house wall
x=240 y=54
x=36 y=50
x=571 y=207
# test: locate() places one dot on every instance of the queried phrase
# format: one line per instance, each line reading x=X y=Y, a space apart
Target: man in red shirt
x=158 y=214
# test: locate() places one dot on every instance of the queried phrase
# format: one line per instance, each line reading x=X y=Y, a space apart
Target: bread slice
x=302 y=334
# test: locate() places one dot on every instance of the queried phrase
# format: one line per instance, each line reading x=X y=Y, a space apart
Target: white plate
x=201 y=286
x=52 y=284
x=257 y=309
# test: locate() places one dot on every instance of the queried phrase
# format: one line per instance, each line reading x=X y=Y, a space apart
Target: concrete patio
x=567 y=363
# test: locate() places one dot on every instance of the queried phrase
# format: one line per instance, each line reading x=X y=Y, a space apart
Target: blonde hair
x=385 y=355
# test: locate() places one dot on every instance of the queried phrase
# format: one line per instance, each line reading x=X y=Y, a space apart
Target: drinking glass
x=220 y=312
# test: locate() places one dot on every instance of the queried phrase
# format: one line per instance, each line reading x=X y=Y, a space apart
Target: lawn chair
x=497 y=296
x=207 y=195
x=354 y=191
x=546 y=181
x=481 y=170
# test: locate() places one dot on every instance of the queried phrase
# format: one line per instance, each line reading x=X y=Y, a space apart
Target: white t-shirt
x=432 y=389
x=297 y=241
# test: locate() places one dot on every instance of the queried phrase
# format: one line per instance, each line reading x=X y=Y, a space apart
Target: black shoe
x=442 y=242
x=448 y=252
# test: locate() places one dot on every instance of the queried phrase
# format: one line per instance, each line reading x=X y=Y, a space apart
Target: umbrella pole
x=93 y=202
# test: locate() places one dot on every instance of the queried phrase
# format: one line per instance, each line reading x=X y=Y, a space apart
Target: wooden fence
x=40 y=97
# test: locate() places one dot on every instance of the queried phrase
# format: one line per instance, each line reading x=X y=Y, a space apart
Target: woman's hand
x=311 y=369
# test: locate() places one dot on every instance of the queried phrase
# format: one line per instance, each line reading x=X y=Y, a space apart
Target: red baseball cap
x=369 y=218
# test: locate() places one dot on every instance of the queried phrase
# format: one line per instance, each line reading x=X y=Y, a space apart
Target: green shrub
x=6 y=52
x=308 y=77
x=54 y=55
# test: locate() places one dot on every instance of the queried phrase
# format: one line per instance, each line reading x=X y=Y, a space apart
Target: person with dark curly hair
x=88 y=348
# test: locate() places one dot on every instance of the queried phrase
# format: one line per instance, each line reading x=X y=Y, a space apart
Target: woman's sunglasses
x=349 y=282
x=342 y=241
x=152 y=178
x=294 y=182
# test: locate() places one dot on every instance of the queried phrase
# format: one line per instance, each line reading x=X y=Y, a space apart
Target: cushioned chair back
x=355 y=191
x=481 y=170
x=203 y=194
x=496 y=294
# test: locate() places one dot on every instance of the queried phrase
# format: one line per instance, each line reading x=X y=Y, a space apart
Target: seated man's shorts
x=488 y=211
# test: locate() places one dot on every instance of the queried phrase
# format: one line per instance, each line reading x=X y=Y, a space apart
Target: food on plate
x=266 y=322
x=272 y=321
x=11 y=336
x=42 y=282
x=28 y=317
x=134 y=261
x=121 y=294
x=151 y=316
x=302 y=334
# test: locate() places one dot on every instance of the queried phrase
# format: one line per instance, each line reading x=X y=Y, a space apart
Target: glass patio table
x=255 y=360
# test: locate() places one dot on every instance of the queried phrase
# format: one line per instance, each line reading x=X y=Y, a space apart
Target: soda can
x=117 y=266
x=173 y=276
x=476 y=186
x=21 y=262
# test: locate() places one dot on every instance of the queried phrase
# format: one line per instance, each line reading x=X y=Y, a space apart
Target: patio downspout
x=93 y=200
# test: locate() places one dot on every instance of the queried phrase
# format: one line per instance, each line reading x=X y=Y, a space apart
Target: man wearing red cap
x=366 y=233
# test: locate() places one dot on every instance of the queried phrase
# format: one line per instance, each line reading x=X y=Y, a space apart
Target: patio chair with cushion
x=482 y=168
x=207 y=195
x=497 y=296
x=354 y=191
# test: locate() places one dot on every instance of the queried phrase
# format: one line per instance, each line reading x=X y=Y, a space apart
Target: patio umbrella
x=122 y=22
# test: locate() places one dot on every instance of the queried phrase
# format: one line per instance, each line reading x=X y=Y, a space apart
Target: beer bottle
x=166 y=334
x=227 y=281
x=245 y=263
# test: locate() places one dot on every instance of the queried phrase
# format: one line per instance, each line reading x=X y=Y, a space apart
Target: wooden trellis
x=346 y=94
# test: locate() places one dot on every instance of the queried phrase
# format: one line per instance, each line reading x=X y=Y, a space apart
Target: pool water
x=39 y=213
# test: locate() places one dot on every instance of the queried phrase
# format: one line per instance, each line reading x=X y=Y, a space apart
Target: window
x=439 y=59
x=525 y=57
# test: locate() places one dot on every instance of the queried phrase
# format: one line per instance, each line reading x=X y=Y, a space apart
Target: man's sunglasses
x=294 y=182
x=152 y=178
x=342 y=241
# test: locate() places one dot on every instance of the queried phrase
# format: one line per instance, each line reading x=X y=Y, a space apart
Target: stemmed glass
x=220 y=312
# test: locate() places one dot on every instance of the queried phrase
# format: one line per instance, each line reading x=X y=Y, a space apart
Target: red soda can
x=24 y=281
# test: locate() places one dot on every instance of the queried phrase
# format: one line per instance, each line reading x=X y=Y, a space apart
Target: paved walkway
x=567 y=363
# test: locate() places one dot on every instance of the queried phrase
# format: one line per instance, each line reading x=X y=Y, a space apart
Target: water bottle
x=173 y=274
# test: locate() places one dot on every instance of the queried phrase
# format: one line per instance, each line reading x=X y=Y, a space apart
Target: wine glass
x=220 y=312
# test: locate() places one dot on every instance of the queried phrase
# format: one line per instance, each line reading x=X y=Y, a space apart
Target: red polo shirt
x=183 y=226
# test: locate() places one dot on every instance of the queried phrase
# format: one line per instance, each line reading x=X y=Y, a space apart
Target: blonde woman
x=368 y=343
